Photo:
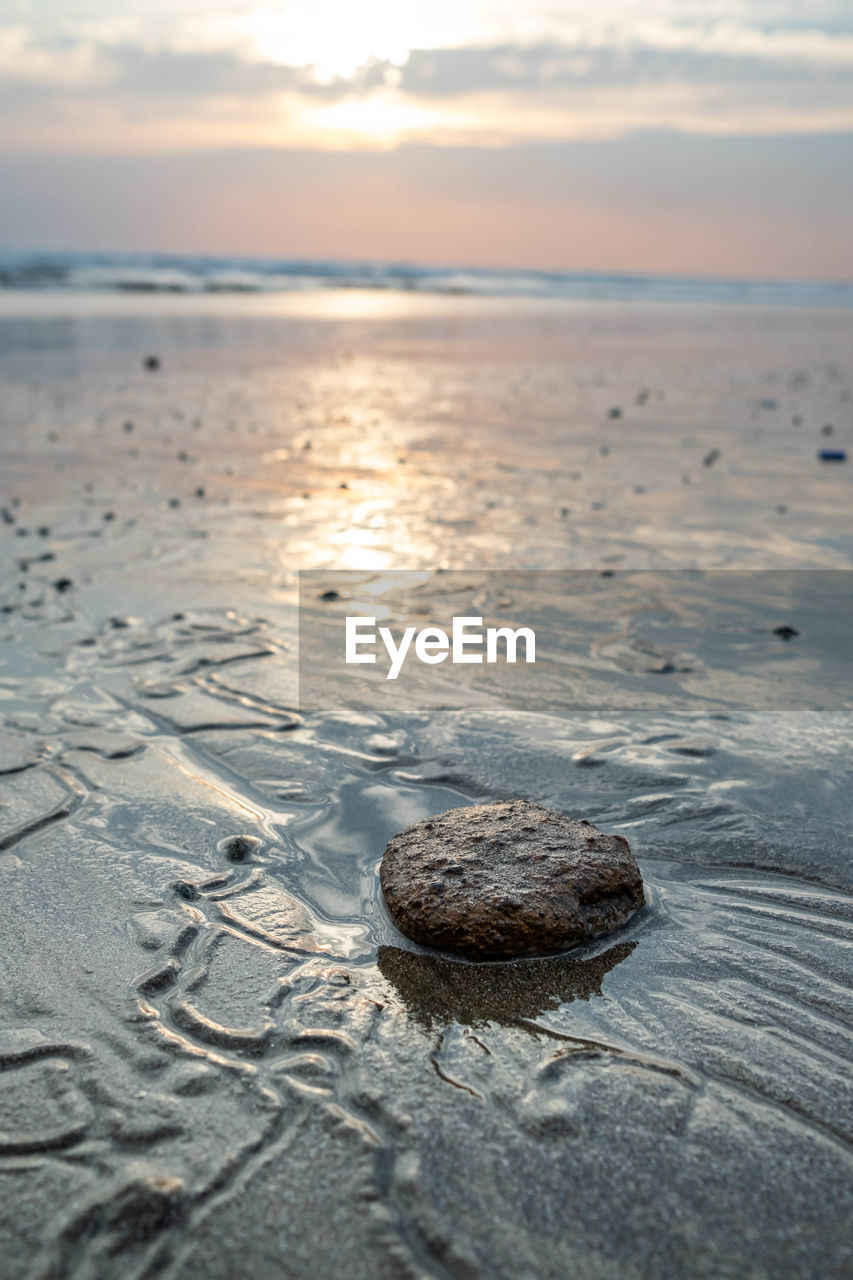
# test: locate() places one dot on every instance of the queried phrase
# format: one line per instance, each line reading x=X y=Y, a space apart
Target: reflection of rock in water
x=437 y=990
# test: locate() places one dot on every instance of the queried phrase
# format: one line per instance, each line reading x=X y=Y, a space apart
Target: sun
x=331 y=37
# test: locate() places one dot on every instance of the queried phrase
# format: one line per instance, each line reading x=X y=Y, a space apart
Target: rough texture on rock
x=512 y=879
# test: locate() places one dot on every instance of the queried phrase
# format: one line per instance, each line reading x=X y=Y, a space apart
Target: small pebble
x=239 y=848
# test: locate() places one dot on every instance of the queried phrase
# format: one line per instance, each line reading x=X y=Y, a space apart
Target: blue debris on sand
x=832 y=455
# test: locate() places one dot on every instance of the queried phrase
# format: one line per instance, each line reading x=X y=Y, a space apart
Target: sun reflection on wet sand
x=376 y=430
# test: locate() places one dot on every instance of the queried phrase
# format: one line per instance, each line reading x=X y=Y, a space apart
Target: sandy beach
x=211 y=1066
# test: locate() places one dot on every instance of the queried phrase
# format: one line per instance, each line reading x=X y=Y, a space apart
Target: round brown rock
x=513 y=879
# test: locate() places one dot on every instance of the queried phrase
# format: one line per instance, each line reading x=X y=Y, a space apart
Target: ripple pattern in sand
x=226 y=1051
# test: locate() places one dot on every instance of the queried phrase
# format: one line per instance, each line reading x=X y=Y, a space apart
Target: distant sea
x=194 y=274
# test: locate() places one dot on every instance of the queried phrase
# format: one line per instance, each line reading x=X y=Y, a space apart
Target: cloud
x=106 y=68
x=723 y=56
x=50 y=65
x=593 y=81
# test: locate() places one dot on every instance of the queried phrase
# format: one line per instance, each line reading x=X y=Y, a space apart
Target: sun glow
x=378 y=119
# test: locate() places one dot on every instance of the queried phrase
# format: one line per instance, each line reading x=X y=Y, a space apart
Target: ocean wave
x=194 y=274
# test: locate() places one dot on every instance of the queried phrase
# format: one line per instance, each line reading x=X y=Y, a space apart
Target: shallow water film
x=217 y=1054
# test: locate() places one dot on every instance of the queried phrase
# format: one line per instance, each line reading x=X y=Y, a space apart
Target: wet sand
x=213 y=1065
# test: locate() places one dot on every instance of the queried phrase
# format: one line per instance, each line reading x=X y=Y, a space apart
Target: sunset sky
x=712 y=137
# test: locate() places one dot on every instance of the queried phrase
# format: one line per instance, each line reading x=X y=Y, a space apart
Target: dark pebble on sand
x=62 y=585
x=239 y=848
x=710 y=457
x=152 y=363
x=494 y=881
x=614 y=413
x=785 y=632
x=329 y=595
